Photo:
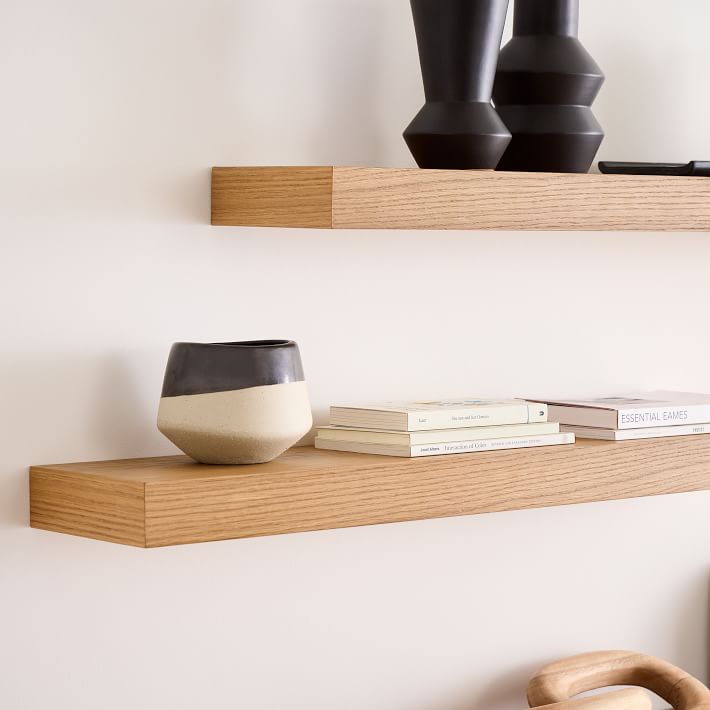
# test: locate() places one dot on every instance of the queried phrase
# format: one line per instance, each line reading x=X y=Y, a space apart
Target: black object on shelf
x=458 y=43
x=695 y=168
x=545 y=85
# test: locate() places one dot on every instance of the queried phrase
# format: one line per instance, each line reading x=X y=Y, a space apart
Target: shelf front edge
x=328 y=490
x=406 y=198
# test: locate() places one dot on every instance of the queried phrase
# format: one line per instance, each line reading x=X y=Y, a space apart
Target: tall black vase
x=545 y=84
x=458 y=42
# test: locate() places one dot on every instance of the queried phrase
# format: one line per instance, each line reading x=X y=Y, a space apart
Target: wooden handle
x=561 y=681
x=627 y=699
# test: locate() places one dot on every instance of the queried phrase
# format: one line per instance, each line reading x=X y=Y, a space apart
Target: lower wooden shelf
x=171 y=500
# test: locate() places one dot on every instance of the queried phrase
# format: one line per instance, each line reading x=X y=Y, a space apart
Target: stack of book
x=434 y=428
x=646 y=415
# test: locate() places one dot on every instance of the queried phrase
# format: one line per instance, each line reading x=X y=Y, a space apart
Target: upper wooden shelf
x=408 y=198
x=172 y=500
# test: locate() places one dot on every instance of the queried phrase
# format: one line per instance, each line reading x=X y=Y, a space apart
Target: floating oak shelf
x=171 y=500
x=407 y=198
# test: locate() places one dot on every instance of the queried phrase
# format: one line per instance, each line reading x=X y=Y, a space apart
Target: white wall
x=112 y=114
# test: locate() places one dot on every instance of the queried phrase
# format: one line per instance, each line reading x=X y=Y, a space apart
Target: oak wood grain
x=89 y=506
x=272 y=197
x=435 y=199
x=409 y=198
x=626 y=699
x=560 y=681
x=309 y=489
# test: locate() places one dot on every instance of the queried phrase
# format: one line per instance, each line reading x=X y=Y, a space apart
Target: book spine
x=582 y=432
x=462 y=447
x=435 y=436
x=524 y=413
x=663 y=416
x=500 y=431
x=660 y=432
x=537 y=412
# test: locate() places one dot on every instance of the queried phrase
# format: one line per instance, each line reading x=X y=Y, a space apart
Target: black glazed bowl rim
x=242 y=344
x=205 y=368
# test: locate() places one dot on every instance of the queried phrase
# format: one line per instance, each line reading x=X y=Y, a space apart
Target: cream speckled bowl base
x=251 y=425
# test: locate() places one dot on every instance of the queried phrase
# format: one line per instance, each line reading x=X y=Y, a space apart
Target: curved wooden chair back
x=561 y=681
x=627 y=699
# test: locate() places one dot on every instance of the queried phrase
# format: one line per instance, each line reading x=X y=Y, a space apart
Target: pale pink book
x=632 y=411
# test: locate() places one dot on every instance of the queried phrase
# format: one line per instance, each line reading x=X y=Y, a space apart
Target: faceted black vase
x=545 y=84
x=458 y=42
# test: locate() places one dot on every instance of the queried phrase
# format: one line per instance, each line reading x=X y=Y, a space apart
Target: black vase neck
x=546 y=17
x=458 y=43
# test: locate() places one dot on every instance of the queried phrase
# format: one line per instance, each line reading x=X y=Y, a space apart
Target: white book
x=435 y=436
x=654 y=432
x=634 y=411
x=455 y=447
x=447 y=414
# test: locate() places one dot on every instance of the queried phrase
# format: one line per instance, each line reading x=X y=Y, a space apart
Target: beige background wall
x=112 y=114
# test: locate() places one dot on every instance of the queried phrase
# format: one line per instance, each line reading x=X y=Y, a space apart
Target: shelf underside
x=407 y=198
x=171 y=500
